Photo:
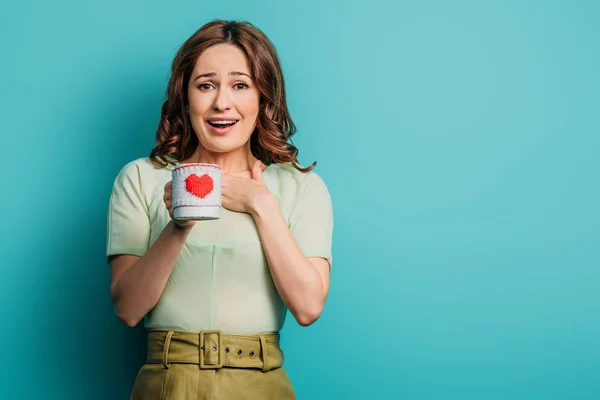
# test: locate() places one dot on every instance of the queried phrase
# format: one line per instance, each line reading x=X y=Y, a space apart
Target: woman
x=214 y=294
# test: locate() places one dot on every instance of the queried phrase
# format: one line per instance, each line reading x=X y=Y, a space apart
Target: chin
x=222 y=145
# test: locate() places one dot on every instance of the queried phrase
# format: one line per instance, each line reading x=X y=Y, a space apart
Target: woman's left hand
x=244 y=194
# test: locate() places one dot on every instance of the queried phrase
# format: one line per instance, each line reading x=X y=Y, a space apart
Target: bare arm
x=303 y=283
x=138 y=282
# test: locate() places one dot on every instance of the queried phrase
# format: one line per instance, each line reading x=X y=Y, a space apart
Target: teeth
x=223 y=122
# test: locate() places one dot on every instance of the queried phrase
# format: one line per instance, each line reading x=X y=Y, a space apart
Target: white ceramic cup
x=196 y=191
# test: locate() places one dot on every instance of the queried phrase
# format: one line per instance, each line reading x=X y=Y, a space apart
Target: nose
x=222 y=101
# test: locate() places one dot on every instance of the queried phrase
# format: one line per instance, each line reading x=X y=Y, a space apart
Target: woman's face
x=223 y=99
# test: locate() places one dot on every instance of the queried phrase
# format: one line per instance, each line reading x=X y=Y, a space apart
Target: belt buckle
x=219 y=350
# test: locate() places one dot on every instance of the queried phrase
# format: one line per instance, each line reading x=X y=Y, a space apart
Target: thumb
x=257 y=171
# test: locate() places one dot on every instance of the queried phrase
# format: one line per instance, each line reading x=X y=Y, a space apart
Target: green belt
x=211 y=349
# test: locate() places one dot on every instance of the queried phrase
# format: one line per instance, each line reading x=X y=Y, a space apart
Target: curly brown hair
x=271 y=140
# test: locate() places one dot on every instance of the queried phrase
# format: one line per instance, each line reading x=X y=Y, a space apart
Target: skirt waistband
x=212 y=349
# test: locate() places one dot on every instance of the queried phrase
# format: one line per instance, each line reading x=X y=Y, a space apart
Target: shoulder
x=144 y=166
x=143 y=175
x=288 y=183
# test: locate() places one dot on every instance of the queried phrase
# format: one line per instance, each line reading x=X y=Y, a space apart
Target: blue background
x=459 y=141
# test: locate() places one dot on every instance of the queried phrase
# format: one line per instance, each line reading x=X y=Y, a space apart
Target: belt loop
x=263 y=348
x=167 y=344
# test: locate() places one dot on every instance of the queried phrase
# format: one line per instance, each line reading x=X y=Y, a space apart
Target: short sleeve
x=128 y=223
x=311 y=219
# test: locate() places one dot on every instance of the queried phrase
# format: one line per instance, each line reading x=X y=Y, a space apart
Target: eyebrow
x=213 y=74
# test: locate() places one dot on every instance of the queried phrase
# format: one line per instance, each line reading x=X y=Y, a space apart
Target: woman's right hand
x=168 y=199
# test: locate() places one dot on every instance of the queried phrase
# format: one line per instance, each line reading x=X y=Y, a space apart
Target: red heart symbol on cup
x=199 y=186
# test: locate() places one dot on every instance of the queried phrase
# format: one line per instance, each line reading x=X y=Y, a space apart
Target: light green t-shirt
x=221 y=279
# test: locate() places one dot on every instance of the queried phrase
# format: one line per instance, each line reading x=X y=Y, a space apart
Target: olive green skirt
x=209 y=365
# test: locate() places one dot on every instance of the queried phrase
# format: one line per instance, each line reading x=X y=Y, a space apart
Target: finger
x=257 y=171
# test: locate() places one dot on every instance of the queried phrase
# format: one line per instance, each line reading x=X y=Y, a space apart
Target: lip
x=222 y=119
x=221 y=131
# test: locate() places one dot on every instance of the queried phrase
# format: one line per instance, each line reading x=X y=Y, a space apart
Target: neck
x=231 y=162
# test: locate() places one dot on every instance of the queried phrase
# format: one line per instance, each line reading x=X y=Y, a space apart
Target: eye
x=205 y=86
x=240 y=85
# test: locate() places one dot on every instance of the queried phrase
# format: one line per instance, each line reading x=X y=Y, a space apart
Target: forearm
x=139 y=288
x=295 y=278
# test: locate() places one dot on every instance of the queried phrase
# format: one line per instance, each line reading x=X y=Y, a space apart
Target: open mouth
x=222 y=123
